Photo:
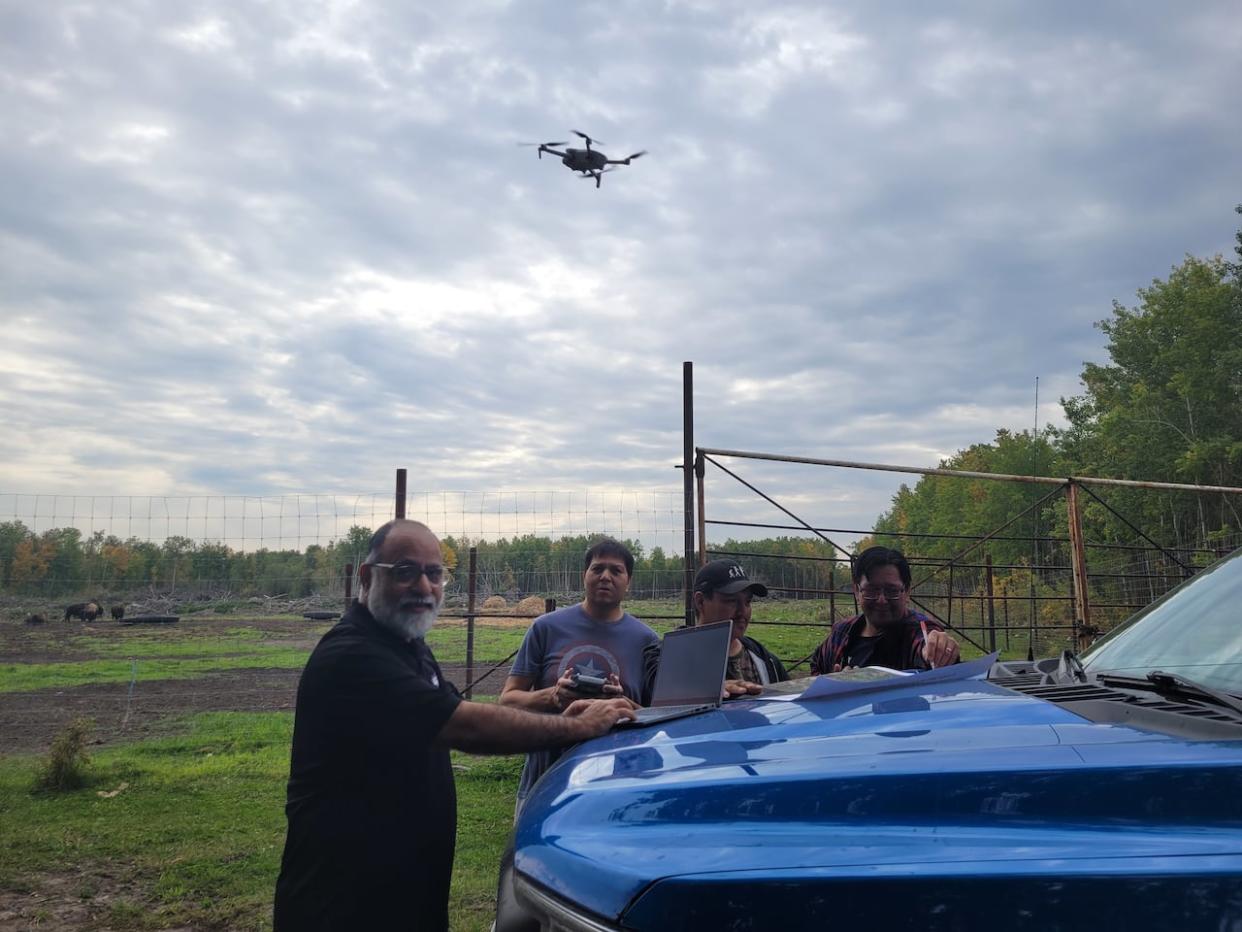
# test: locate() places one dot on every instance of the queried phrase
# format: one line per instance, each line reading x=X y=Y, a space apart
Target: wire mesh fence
x=296 y=546
x=1013 y=586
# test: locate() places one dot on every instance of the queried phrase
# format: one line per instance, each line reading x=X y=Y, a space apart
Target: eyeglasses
x=872 y=593
x=407 y=572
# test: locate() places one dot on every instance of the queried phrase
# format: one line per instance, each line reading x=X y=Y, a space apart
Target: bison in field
x=118 y=612
x=35 y=619
x=83 y=611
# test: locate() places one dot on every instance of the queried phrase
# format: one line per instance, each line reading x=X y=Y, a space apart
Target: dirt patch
x=29 y=720
x=60 y=902
x=54 y=642
x=107 y=897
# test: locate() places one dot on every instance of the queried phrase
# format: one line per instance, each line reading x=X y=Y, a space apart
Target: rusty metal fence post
x=1078 y=560
x=399 y=505
x=687 y=466
x=948 y=620
x=832 y=594
x=700 y=468
x=991 y=607
x=470 y=593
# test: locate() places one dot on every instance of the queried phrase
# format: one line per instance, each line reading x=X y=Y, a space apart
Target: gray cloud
x=289 y=247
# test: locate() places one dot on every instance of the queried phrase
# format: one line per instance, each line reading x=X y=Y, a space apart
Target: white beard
x=407 y=623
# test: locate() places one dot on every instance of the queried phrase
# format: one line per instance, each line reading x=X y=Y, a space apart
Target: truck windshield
x=1195 y=631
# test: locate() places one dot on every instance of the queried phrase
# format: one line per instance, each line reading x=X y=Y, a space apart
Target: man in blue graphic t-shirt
x=596 y=638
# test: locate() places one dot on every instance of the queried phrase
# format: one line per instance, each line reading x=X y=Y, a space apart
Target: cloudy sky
x=265 y=248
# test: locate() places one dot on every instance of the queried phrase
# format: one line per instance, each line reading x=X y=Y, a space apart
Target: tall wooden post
x=1078 y=560
x=470 y=591
x=399 y=510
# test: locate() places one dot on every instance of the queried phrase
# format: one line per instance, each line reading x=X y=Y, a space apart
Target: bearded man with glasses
x=886 y=633
x=371 y=804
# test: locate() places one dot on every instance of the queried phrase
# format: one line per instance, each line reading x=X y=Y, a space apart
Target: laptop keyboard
x=663 y=711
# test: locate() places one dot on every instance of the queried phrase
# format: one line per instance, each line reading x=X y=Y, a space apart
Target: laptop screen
x=692 y=665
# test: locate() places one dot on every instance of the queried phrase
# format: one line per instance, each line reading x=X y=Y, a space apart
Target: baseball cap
x=727 y=577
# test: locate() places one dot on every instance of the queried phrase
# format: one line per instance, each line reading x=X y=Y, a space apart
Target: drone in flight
x=591 y=162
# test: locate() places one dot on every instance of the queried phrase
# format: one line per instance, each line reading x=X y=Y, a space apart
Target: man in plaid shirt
x=887 y=633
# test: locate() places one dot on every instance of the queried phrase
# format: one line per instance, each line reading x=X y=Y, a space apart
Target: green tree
x=1169 y=405
x=12 y=533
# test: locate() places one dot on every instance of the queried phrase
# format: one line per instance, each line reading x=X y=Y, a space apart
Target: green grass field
x=193 y=826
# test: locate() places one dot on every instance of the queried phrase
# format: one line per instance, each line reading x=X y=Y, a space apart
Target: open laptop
x=691 y=673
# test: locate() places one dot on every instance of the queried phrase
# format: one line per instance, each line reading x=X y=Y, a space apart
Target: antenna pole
x=1030 y=641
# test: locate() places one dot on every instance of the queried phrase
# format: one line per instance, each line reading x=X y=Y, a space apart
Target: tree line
x=1166 y=407
x=64 y=562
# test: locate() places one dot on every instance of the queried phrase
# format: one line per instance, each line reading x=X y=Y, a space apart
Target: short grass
x=791 y=630
x=20 y=677
x=194 y=837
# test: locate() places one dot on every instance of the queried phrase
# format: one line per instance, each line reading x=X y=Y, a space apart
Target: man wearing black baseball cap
x=723 y=592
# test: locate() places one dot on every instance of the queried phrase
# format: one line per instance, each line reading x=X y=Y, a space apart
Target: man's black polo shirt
x=371 y=804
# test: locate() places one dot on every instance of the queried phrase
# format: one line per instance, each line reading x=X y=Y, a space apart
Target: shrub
x=64 y=767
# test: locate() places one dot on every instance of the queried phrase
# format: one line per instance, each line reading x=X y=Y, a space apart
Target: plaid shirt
x=832 y=651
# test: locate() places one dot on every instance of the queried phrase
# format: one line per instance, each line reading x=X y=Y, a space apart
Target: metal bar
x=881 y=467
x=946 y=623
x=462 y=615
x=832 y=594
x=929 y=561
x=1216 y=552
x=687 y=464
x=983 y=629
x=489 y=671
x=775 y=503
x=349 y=584
x=912 y=534
x=967 y=474
x=1126 y=521
x=470 y=594
x=775 y=556
x=991 y=607
x=948 y=615
x=699 y=470
x=1078 y=557
x=399 y=509
x=988 y=537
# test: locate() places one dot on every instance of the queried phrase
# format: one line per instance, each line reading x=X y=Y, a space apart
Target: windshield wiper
x=1172 y=684
x=1069 y=665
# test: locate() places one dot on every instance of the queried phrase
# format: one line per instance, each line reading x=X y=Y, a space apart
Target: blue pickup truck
x=1102 y=791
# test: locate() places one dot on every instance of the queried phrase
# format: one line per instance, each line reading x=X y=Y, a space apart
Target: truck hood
x=915 y=778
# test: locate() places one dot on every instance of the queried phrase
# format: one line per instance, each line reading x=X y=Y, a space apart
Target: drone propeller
x=636 y=155
x=598 y=142
x=542 y=143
